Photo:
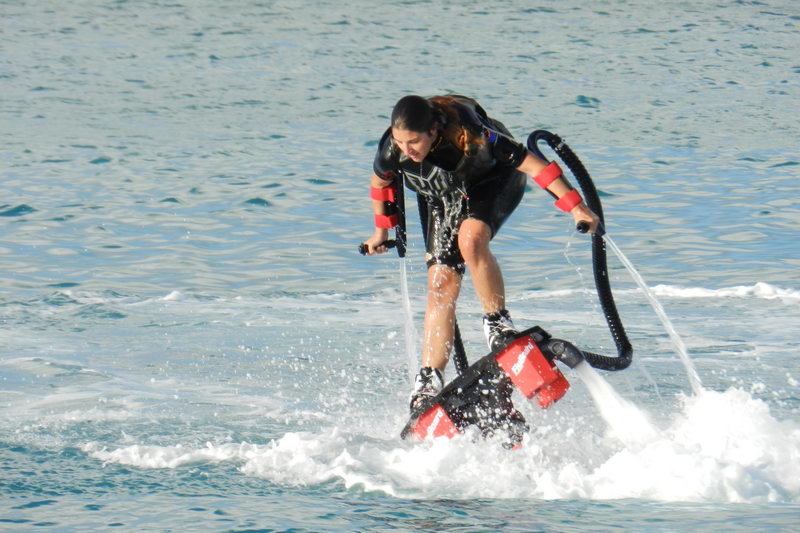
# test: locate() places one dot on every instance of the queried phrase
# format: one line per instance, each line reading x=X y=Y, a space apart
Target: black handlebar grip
x=363 y=250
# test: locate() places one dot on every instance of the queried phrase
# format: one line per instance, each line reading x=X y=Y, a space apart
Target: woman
x=469 y=175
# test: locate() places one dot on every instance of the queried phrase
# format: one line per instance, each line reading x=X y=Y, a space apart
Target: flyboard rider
x=469 y=175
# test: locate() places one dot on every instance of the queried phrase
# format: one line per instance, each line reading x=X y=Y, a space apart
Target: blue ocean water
x=191 y=341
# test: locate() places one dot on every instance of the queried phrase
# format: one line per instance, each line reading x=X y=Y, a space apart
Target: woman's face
x=413 y=144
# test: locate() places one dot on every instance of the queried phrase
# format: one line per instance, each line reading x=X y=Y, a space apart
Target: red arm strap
x=385 y=194
x=548 y=175
x=567 y=202
x=385 y=221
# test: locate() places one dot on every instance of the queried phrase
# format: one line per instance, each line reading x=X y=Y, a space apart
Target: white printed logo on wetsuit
x=436 y=183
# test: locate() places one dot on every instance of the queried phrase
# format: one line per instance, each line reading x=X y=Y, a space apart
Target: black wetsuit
x=452 y=187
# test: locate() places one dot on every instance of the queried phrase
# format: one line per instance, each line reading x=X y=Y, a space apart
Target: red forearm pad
x=385 y=221
x=569 y=201
x=385 y=194
x=548 y=175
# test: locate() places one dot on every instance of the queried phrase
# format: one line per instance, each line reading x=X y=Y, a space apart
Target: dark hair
x=418 y=114
x=414 y=113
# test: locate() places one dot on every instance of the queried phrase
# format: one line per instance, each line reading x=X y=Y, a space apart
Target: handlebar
x=363 y=250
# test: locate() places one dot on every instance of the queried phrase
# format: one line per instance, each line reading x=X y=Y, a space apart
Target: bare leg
x=473 y=241
x=444 y=284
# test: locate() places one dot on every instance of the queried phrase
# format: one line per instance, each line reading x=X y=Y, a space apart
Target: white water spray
x=680 y=347
x=628 y=423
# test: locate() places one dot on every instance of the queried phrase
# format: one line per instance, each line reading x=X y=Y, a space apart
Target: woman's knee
x=473 y=240
x=444 y=282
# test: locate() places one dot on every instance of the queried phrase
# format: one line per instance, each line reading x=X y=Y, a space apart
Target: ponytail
x=463 y=136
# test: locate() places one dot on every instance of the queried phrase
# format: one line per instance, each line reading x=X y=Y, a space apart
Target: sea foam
x=717 y=447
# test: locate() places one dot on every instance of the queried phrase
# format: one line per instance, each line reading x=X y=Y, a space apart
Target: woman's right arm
x=381 y=235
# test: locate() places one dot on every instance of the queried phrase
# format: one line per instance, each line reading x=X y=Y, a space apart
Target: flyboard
x=480 y=395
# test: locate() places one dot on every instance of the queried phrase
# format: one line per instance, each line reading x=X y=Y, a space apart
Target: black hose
x=400 y=229
x=599 y=266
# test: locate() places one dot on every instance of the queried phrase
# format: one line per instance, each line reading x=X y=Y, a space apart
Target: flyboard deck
x=481 y=395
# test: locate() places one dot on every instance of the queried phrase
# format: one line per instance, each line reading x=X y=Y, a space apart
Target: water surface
x=189 y=336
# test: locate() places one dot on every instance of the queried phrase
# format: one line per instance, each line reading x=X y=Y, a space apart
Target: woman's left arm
x=550 y=178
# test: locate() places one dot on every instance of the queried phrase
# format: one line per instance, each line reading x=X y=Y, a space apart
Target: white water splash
x=717 y=447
